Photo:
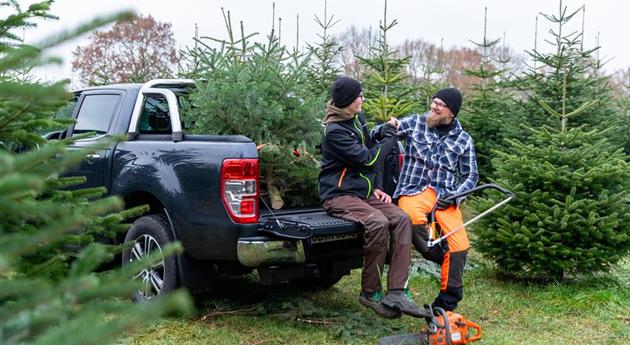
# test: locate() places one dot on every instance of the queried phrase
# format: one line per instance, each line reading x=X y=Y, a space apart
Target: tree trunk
x=275 y=198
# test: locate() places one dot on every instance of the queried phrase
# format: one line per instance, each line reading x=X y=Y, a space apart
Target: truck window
x=155 y=118
x=96 y=113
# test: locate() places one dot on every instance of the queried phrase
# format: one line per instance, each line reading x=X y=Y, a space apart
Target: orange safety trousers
x=452 y=260
x=419 y=205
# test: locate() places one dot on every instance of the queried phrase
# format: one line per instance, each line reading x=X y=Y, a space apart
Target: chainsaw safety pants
x=451 y=256
x=385 y=225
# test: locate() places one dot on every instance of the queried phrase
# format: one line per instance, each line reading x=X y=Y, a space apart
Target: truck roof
x=137 y=86
x=124 y=86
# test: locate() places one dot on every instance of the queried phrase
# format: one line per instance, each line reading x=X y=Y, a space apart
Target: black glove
x=387 y=130
x=444 y=203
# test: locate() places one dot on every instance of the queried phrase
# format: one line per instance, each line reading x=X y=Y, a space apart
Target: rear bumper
x=264 y=251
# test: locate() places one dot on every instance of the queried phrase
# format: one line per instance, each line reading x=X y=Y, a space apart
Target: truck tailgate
x=325 y=237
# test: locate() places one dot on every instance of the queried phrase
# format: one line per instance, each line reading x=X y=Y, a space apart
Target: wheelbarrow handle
x=482 y=187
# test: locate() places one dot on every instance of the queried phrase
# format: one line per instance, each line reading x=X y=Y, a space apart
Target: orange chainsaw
x=453 y=329
x=447 y=328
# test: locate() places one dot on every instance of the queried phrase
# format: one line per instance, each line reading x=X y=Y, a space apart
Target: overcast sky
x=454 y=22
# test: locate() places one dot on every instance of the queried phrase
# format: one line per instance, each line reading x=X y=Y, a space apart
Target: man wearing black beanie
x=350 y=188
x=439 y=162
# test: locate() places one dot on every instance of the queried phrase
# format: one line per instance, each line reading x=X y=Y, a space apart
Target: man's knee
x=400 y=227
x=399 y=217
x=376 y=232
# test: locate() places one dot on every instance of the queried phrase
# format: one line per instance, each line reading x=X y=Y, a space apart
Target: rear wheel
x=148 y=235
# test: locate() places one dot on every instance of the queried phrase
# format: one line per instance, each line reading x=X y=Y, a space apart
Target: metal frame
x=149 y=89
x=509 y=194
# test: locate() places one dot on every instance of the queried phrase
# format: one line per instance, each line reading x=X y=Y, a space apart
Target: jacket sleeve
x=468 y=168
x=345 y=148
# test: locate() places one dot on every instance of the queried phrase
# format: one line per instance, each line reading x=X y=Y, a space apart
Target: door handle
x=91 y=157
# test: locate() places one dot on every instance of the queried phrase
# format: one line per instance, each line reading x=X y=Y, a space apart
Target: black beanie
x=344 y=91
x=451 y=97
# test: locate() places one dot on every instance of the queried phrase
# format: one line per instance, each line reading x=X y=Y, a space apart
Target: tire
x=148 y=234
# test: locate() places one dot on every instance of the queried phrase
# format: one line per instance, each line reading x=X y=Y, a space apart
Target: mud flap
x=406 y=339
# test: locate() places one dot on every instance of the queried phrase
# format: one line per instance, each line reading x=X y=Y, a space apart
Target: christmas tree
x=489 y=114
x=323 y=68
x=572 y=213
x=49 y=290
x=387 y=94
x=261 y=91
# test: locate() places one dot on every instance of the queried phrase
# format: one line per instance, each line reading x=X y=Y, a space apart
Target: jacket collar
x=334 y=114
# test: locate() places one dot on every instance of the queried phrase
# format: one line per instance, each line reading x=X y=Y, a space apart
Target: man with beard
x=439 y=162
x=349 y=187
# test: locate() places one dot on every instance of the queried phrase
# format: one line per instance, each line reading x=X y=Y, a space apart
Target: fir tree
x=21 y=95
x=489 y=114
x=49 y=293
x=568 y=65
x=323 y=69
x=387 y=94
x=572 y=213
x=258 y=90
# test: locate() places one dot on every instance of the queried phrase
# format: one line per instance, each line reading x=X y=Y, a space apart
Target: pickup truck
x=202 y=190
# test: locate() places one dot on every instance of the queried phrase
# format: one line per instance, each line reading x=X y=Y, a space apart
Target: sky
x=451 y=22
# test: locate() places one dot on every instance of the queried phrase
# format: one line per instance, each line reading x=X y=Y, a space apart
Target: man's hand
x=382 y=196
x=388 y=130
x=394 y=122
x=444 y=204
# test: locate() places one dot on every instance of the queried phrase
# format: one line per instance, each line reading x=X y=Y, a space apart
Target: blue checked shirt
x=446 y=164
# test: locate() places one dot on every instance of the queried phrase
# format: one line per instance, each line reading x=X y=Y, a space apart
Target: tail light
x=401 y=159
x=239 y=189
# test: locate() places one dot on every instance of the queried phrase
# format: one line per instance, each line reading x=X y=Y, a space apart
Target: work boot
x=401 y=300
x=373 y=300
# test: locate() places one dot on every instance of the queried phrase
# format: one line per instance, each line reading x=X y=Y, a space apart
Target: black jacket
x=351 y=159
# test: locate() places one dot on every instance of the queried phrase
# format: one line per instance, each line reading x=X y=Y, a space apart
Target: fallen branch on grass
x=227 y=312
x=319 y=322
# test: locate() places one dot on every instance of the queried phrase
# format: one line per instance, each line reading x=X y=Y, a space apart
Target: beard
x=434 y=120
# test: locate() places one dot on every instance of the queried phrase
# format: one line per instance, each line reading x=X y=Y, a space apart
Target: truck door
x=96 y=113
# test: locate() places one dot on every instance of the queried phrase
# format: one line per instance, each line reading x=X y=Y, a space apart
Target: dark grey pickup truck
x=203 y=190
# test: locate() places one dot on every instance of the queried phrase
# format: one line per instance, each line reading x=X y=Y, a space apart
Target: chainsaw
x=447 y=328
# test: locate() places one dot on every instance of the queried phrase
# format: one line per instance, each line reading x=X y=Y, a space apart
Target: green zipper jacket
x=351 y=159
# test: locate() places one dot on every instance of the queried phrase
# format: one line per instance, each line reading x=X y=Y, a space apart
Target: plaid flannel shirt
x=446 y=164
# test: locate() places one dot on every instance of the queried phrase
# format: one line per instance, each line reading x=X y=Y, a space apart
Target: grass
x=593 y=310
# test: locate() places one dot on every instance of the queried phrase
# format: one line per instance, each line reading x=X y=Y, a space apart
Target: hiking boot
x=401 y=300
x=373 y=301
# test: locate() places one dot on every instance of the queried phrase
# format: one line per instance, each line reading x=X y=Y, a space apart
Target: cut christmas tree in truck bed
x=204 y=191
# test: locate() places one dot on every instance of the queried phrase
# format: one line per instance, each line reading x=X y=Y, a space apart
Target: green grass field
x=592 y=310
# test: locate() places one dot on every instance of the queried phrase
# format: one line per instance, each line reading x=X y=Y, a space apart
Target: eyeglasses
x=439 y=104
x=362 y=97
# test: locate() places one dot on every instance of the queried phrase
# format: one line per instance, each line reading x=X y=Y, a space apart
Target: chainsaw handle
x=477 y=328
